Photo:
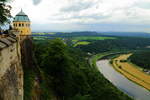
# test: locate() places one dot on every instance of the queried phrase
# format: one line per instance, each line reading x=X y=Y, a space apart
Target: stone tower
x=21 y=23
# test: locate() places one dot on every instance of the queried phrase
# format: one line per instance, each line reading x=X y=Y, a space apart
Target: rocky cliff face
x=29 y=66
x=11 y=72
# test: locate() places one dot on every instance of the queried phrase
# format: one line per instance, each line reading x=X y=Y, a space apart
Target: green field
x=43 y=33
x=81 y=43
x=92 y=38
x=74 y=40
x=39 y=38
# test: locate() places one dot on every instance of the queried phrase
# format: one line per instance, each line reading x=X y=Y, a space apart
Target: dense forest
x=67 y=73
x=121 y=43
x=141 y=59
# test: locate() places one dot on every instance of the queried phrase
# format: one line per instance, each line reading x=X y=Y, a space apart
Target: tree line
x=121 y=43
x=141 y=59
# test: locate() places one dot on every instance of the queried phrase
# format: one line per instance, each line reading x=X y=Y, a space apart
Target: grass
x=43 y=33
x=131 y=72
x=92 y=38
x=81 y=43
x=40 y=38
x=74 y=40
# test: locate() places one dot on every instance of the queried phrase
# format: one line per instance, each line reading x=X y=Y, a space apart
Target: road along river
x=121 y=82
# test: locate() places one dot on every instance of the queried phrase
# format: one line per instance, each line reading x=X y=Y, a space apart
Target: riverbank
x=122 y=83
x=130 y=71
x=93 y=62
x=96 y=57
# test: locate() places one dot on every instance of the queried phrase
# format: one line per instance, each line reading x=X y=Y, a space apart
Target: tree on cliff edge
x=4 y=12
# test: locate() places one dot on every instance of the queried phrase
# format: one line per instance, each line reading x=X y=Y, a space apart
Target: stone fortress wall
x=11 y=70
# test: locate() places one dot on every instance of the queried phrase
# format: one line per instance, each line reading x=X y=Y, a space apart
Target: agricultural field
x=83 y=40
x=39 y=38
x=81 y=43
x=51 y=33
x=131 y=71
x=74 y=40
x=92 y=38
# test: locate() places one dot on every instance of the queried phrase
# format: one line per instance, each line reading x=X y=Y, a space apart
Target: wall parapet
x=7 y=41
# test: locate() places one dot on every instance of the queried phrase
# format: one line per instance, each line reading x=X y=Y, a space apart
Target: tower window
x=14 y=25
x=26 y=25
x=22 y=25
x=19 y=25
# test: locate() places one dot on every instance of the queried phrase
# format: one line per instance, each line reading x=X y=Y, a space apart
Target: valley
x=87 y=51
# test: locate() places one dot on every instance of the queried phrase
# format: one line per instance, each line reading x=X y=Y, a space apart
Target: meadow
x=51 y=33
x=93 y=38
x=81 y=43
x=84 y=40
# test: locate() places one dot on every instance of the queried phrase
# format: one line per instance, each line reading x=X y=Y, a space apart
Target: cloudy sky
x=86 y=15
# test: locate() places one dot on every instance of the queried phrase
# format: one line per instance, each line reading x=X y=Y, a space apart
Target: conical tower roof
x=21 y=16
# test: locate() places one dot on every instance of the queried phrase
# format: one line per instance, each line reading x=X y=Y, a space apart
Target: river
x=121 y=82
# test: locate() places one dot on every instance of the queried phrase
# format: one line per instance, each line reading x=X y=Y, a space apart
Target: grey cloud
x=36 y=2
x=131 y=12
x=94 y=17
x=78 y=6
x=144 y=5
